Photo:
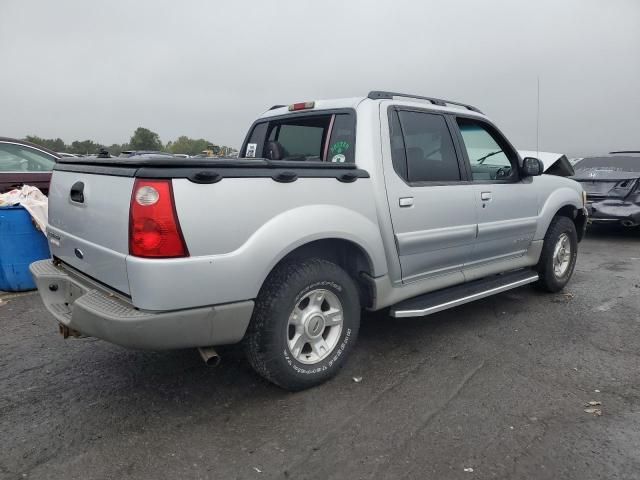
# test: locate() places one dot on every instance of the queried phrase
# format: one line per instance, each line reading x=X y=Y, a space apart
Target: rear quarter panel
x=237 y=230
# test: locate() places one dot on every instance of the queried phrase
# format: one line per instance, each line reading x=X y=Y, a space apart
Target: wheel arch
x=565 y=202
x=346 y=253
x=576 y=215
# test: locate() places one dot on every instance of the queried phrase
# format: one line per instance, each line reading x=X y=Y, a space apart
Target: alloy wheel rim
x=315 y=325
x=561 y=256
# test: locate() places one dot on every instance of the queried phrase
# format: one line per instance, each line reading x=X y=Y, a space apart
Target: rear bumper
x=93 y=311
x=614 y=211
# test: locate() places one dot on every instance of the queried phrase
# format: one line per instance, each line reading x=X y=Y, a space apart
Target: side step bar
x=460 y=294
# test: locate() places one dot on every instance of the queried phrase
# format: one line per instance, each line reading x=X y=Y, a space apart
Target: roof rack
x=625 y=151
x=381 y=95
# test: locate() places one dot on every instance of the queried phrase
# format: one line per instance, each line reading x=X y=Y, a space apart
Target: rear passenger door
x=506 y=205
x=430 y=200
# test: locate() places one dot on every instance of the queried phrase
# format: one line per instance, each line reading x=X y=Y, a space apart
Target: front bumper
x=613 y=211
x=81 y=305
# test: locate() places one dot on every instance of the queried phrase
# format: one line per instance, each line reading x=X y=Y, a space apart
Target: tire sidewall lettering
x=339 y=350
x=323 y=284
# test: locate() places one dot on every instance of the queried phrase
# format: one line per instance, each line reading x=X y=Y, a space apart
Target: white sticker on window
x=251 y=150
x=339 y=158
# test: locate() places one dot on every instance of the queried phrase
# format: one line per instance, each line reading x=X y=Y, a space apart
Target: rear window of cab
x=306 y=137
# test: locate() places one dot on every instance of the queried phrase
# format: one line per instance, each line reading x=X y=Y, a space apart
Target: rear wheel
x=304 y=325
x=559 y=254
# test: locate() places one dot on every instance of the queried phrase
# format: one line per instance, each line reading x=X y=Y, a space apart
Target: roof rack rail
x=277 y=106
x=625 y=151
x=381 y=95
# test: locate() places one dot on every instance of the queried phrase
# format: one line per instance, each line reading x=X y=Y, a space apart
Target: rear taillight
x=154 y=230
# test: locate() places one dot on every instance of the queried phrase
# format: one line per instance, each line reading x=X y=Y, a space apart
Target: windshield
x=326 y=137
x=617 y=163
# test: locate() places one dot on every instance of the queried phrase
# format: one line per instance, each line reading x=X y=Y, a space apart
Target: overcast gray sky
x=79 y=69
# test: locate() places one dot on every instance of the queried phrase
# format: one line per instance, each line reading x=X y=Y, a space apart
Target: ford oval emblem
x=78 y=253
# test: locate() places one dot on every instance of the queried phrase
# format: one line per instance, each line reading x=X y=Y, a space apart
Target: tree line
x=142 y=139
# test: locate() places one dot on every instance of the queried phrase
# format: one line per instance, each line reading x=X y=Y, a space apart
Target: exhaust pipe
x=210 y=356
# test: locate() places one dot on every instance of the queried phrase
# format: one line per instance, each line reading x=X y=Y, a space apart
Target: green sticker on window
x=339 y=147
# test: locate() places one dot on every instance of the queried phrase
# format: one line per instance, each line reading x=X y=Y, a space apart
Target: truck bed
x=225 y=209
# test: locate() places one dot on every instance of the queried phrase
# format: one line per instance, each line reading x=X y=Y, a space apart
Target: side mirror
x=531 y=167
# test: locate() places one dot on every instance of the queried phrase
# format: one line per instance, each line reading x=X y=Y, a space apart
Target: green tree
x=116 y=149
x=145 y=139
x=57 y=144
x=190 y=146
x=85 y=147
x=142 y=139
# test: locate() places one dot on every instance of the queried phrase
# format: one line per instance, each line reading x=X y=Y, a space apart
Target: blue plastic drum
x=20 y=245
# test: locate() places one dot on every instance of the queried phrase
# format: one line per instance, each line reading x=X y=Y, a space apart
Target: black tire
x=266 y=340
x=549 y=280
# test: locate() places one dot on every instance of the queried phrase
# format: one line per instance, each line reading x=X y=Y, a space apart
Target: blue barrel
x=20 y=245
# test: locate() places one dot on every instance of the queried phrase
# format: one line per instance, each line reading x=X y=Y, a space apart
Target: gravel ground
x=498 y=386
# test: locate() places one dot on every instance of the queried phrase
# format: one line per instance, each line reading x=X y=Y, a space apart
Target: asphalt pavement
x=492 y=389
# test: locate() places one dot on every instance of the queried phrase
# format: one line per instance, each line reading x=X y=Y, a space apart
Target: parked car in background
x=553 y=163
x=612 y=184
x=23 y=163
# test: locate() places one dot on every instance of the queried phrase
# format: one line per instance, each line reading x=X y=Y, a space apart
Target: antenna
x=538 y=122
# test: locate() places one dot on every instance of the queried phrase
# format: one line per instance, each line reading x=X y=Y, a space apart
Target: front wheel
x=304 y=325
x=559 y=254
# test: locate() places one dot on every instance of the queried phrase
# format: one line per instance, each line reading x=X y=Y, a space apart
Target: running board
x=460 y=294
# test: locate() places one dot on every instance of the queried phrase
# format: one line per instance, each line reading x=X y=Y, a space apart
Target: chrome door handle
x=406 y=201
x=485 y=196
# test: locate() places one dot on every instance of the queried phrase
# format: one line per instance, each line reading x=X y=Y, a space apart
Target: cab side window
x=422 y=148
x=489 y=156
x=310 y=138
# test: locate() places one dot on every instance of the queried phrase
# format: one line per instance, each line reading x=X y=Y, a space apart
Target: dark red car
x=25 y=163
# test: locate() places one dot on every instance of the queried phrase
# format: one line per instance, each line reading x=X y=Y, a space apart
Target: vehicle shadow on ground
x=157 y=376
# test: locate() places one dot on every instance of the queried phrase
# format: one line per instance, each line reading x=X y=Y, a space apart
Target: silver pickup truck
x=395 y=201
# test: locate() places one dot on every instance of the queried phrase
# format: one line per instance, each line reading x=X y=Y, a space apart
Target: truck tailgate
x=90 y=232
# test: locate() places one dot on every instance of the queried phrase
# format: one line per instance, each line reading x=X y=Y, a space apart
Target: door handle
x=77 y=192
x=406 y=201
x=485 y=196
